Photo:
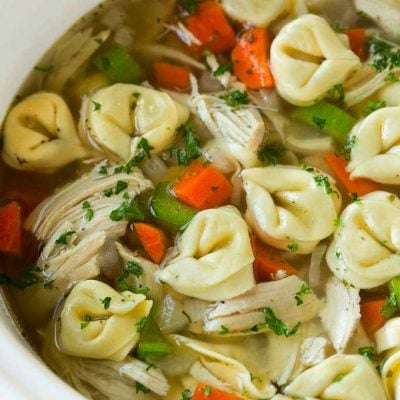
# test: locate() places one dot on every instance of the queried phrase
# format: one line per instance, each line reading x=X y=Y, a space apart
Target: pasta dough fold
x=113 y=115
x=214 y=260
x=376 y=151
x=308 y=58
x=365 y=249
x=290 y=206
x=345 y=377
x=90 y=329
x=40 y=135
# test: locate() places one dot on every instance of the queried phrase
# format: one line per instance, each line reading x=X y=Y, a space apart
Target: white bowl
x=27 y=29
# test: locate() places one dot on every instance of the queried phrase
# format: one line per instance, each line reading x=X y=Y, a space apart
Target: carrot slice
x=268 y=262
x=210 y=26
x=203 y=187
x=172 y=76
x=371 y=316
x=153 y=240
x=358 y=38
x=11 y=228
x=204 y=392
x=250 y=59
x=359 y=186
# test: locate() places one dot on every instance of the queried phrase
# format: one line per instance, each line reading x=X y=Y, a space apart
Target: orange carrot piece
x=153 y=240
x=172 y=76
x=210 y=26
x=359 y=186
x=11 y=228
x=205 y=392
x=250 y=59
x=358 y=38
x=268 y=262
x=202 y=187
x=371 y=316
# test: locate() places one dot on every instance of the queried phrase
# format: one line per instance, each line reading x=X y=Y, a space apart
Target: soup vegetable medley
x=200 y=201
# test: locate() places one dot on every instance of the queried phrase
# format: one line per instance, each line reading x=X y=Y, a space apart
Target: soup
x=200 y=201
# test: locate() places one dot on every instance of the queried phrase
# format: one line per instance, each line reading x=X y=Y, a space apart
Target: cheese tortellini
x=256 y=12
x=391 y=376
x=376 y=151
x=388 y=337
x=308 y=58
x=290 y=207
x=344 y=377
x=98 y=322
x=114 y=115
x=40 y=135
x=214 y=260
x=366 y=246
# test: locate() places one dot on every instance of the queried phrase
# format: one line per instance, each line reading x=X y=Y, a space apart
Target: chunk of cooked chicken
x=341 y=313
x=314 y=350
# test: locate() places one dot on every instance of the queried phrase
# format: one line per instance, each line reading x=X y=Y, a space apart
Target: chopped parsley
x=391 y=197
x=236 y=98
x=224 y=330
x=338 y=378
x=337 y=27
x=271 y=153
x=103 y=170
x=89 y=211
x=144 y=145
x=99 y=41
x=96 y=106
x=108 y=192
x=88 y=319
x=385 y=55
x=374 y=106
x=47 y=69
x=304 y=290
x=189 y=5
x=293 y=247
x=65 y=237
x=134 y=268
x=186 y=395
x=337 y=92
x=337 y=223
x=345 y=150
x=141 y=388
x=355 y=198
x=319 y=122
x=390 y=306
x=207 y=391
x=136 y=95
x=28 y=278
x=276 y=325
x=323 y=180
x=191 y=150
x=106 y=302
x=368 y=352
x=120 y=186
x=128 y=210
x=222 y=68
x=392 y=77
x=141 y=324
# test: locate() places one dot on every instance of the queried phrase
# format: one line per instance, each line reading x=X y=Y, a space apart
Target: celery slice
x=152 y=343
x=329 y=118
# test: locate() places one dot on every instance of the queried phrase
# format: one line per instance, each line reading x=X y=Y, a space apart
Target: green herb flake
x=390 y=306
x=385 y=56
x=120 y=186
x=128 y=211
x=391 y=197
x=99 y=41
x=272 y=153
x=142 y=388
x=323 y=180
x=89 y=212
x=222 y=68
x=44 y=69
x=103 y=170
x=392 y=77
x=88 y=319
x=106 y=302
x=293 y=247
x=368 y=352
x=319 y=122
x=96 y=106
x=108 y=192
x=224 y=330
x=345 y=150
x=337 y=27
x=338 y=378
x=337 y=223
x=29 y=277
x=189 y=5
x=186 y=395
x=141 y=324
x=191 y=150
x=304 y=290
x=236 y=98
x=355 y=198
x=337 y=92
x=374 y=106
x=207 y=391
x=65 y=238
x=136 y=95
x=134 y=268
x=150 y=366
x=144 y=145
x=277 y=326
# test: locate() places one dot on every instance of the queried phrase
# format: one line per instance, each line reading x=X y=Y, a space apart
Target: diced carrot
x=11 y=228
x=268 y=262
x=359 y=186
x=250 y=59
x=371 y=316
x=358 y=39
x=153 y=240
x=172 y=76
x=210 y=26
x=205 y=392
x=202 y=187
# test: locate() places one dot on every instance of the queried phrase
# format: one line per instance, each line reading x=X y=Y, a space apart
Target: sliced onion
x=154 y=168
x=314 y=272
x=170 y=317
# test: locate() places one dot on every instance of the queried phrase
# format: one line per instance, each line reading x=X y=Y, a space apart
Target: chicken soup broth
x=200 y=201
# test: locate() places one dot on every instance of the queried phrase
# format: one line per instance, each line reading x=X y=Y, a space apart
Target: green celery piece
x=119 y=66
x=334 y=121
x=394 y=287
x=168 y=211
x=152 y=343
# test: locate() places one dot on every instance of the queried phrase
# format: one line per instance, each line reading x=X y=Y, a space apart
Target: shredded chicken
x=184 y=34
x=314 y=350
x=226 y=79
x=341 y=313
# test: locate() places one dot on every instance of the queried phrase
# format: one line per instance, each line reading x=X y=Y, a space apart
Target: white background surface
x=27 y=29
